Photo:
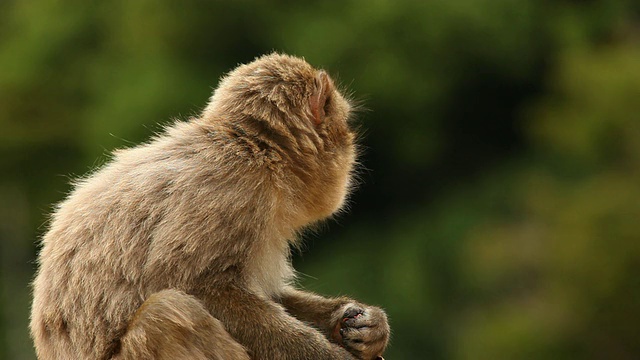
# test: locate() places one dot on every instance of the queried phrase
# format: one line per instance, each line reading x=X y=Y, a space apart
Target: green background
x=498 y=215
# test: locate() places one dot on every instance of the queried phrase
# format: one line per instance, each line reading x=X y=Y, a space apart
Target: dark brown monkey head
x=284 y=106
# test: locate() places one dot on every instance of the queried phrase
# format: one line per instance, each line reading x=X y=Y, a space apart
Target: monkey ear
x=319 y=97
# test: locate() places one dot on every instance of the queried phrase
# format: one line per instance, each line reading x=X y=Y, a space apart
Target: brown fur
x=179 y=248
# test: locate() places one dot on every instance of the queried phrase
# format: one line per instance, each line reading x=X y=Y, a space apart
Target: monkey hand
x=362 y=329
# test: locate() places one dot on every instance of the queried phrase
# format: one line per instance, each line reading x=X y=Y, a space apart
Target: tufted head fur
x=295 y=118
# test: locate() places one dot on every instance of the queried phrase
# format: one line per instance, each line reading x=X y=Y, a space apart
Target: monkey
x=180 y=248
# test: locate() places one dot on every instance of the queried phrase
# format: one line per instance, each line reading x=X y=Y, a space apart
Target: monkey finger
x=351 y=313
x=355 y=346
x=363 y=350
x=366 y=334
x=364 y=319
x=352 y=334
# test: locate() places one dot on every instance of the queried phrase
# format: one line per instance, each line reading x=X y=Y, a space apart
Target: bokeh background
x=499 y=211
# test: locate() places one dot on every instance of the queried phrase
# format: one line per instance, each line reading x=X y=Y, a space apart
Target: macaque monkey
x=180 y=248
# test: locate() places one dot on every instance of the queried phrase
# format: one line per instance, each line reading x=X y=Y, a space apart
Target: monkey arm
x=362 y=329
x=320 y=311
x=266 y=330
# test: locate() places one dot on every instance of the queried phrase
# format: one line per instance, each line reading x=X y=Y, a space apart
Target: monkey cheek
x=334 y=205
x=341 y=194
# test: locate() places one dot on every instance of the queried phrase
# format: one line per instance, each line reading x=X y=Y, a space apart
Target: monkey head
x=295 y=111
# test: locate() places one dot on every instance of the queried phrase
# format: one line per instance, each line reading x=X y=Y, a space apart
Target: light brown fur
x=179 y=248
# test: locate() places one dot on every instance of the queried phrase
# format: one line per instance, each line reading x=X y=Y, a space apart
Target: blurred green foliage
x=498 y=212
